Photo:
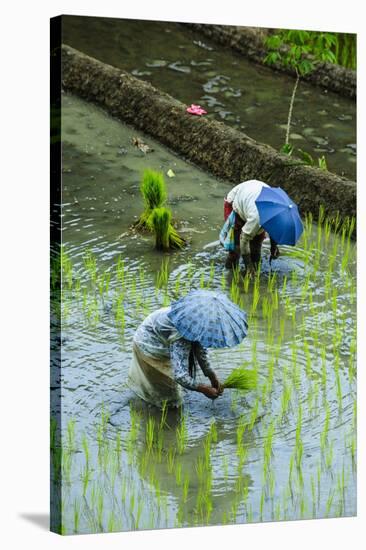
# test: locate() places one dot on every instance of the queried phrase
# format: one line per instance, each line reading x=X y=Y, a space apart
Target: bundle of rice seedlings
x=166 y=237
x=175 y=240
x=159 y=222
x=154 y=193
x=241 y=379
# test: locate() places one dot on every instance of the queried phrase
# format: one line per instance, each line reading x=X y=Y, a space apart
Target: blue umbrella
x=279 y=215
x=210 y=318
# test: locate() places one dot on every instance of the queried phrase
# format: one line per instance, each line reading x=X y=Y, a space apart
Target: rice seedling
x=246 y=281
x=120 y=314
x=213 y=431
x=182 y=435
x=268 y=447
x=294 y=278
x=120 y=272
x=261 y=504
x=162 y=278
x=186 y=483
x=170 y=460
x=76 y=516
x=324 y=433
x=211 y=275
x=200 y=468
x=90 y=264
x=154 y=194
x=240 y=430
x=66 y=267
x=253 y=415
x=329 y=503
x=241 y=379
x=277 y=511
x=118 y=447
x=178 y=473
x=256 y=296
x=77 y=287
x=85 y=478
x=242 y=453
x=265 y=307
x=53 y=433
x=299 y=447
x=150 y=433
x=202 y=280
x=329 y=453
x=66 y=462
x=85 y=445
x=313 y=495
x=285 y=399
x=339 y=390
x=250 y=514
x=290 y=473
x=92 y=311
x=353 y=451
x=111 y=522
x=284 y=285
x=71 y=435
x=140 y=505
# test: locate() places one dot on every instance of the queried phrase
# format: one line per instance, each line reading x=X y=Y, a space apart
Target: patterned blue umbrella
x=210 y=318
x=279 y=215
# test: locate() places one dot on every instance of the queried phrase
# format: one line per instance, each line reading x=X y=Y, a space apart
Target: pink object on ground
x=196 y=110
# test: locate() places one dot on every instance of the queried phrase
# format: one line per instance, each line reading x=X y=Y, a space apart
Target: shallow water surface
x=283 y=451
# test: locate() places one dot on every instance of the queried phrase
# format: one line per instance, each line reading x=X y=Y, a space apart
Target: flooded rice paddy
x=250 y=97
x=284 y=451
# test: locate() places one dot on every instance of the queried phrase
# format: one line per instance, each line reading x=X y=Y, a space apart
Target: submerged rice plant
x=182 y=435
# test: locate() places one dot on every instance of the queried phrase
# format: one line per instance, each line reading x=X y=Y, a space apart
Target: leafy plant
x=308 y=159
x=300 y=51
x=345 y=50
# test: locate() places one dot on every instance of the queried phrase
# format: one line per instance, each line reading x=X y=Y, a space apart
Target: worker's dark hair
x=192 y=367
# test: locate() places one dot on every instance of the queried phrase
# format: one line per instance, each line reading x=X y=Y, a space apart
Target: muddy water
x=101 y=174
x=247 y=96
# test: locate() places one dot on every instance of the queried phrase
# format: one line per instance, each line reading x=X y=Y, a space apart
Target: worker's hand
x=215 y=382
x=208 y=391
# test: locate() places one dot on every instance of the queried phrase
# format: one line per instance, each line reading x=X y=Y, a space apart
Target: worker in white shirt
x=248 y=233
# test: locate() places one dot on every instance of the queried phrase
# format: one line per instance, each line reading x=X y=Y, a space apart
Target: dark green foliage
x=345 y=50
x=300 y=50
